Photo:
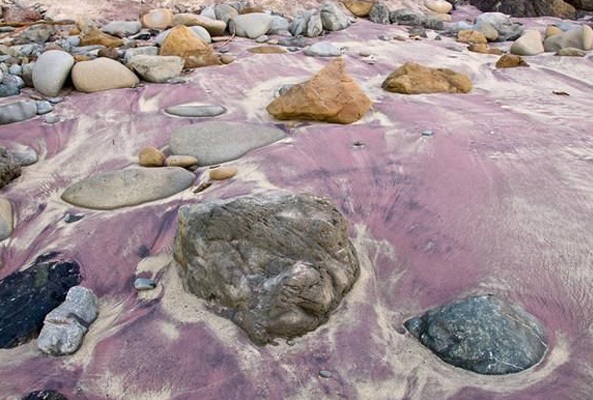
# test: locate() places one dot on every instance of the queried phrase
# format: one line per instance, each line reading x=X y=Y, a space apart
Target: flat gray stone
x=17 y=111
x=323 y=49
x=196 y=110
x=136 y=51
x=122 y=28
x=156 y=69
x=215 y=142
x=51 y=71
x=128 y=187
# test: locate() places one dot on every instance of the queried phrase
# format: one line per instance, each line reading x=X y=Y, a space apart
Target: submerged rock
x=127 y=187
x=215 y=142
x=278 y=264
x=331 y=96
x=64 y=327
x=26 y=297
x=482 y=334
x=412 y=78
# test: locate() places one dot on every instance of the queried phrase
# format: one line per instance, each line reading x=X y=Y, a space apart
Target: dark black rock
x=278 y=264
x=26 y=297
x=482 y=334
x=70 y=218
x=44 y=395
x=527 y=8
x=10 y=168
x=380 y=14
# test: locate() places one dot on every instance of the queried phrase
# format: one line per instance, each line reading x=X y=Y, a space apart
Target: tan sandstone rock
x=183 y=43
x=412 y=78
x=159 y=18
x=214 y=27
x=359 y=8
x=96 y=36
x=151 y=157
x=222 y=173
x=102 y=74
x=511 y=61
x=331 y=96
x=471 y=36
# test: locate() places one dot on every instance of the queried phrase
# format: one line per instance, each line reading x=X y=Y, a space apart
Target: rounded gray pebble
x=144 y=284
x=44 y=107
x=51 y=119
x=325 y=373
x=427 y=132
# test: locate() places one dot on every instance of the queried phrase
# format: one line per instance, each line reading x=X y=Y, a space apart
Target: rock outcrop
x=278 y=265
x=330 y=96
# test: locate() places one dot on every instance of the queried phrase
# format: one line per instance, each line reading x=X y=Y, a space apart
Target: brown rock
x=151 y=157
x=102 y=74
x=82 y=57
x=412 y=78
x=182 y=42
x=20 y=14
x=214 y=27
x=471 y=36
x=481 y=48
x=331 y=95
x=74 y=31
x=222 y=173
x=227 y=59
x=181 y=161
x=359 y=8
x=267 y=50
x=159 y=18
x=96 y=36
x=109 y=53
x=511 y=61
x=552 y=30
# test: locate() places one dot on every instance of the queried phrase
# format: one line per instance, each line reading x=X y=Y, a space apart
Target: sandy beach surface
x=499 y=199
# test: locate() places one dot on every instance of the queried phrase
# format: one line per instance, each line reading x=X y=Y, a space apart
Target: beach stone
x=412 y=78
x=21 y=154
x=471 y=36
x=196 y=110
x=17 y=111
x=6 y=220
x=182 y=42
x=586 y=5
x=489 y=32
x=250 y=25
x=332 y=18
x=261 y=39
x=552 y=30
x=199 y=31
x=314 y=25
x=330 y=96
x=215 y=142
x=527 y=8
x=137 y=51
x=225 y=12
x=65 y=326
x=279 y=25
x=181 y=161
x=298 y=26
x=482 y=334
x=144 y=284
x=222 y=173
x=51 y=119
x=322 y=49
x=44 y=395
x=102 y=74
x=379 y=14
x=504 y=25
x=571 y=52
x=439 y=6
x=8 y=90
x=511 y=61
x=159 y=18
x=27 y=296
x=97 y=37
x=279 y=264
x=529 y=44
x=579 y=38
x=44 y=107
x=34 y=34
x=128 y=187
x=156 y=69
x=122 y=28
x=359 y=8
x=213 y=26
x=19 y=13
x=150 y=156
x=406 y=17
x=227 y=59
x=112 y=53
x=267 y=50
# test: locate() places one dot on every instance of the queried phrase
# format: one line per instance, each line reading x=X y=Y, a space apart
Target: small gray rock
x=225 y=12
x=314 y=25
x=44 y=107
x=122 y=28
x=279 y=24
x=51 y=119
x=323 y=49
x=15 y=69
x=406 y=17
x=250 y=25
x=332 y=18
x=144 y=284
x=325 y=373
x=137 y=51
x=36 y=34
x=194 y=110
x=156 y=69
x=17 y=111
x=380 y=14
x=24 y=155
x=64 y=327
x=51 y=71
x=261 y=39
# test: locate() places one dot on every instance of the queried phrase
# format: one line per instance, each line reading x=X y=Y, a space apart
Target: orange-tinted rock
x=95 y=36
x=222 y=173
x=359 y=8
x=267 y=50
x=213 y=26
x=483 y=48
x=331 y=96
x=151 y=157
x=182 y=42
x=412 y=78
x=471 y=36
x=511 y=61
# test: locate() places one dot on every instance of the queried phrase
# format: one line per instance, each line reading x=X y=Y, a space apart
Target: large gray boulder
x=215 y=142
x=277 y=264
x=127 y=187
x=482 y=334
x=51 y=71
x=65 y=326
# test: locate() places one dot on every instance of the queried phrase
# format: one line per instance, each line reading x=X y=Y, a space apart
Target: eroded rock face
x=482 y=334
x=278 y=265
x=26 y=297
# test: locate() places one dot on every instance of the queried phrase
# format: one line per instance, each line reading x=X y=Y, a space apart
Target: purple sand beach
x=499 y=199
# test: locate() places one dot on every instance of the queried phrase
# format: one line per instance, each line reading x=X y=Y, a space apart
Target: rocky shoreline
x=108 y=129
